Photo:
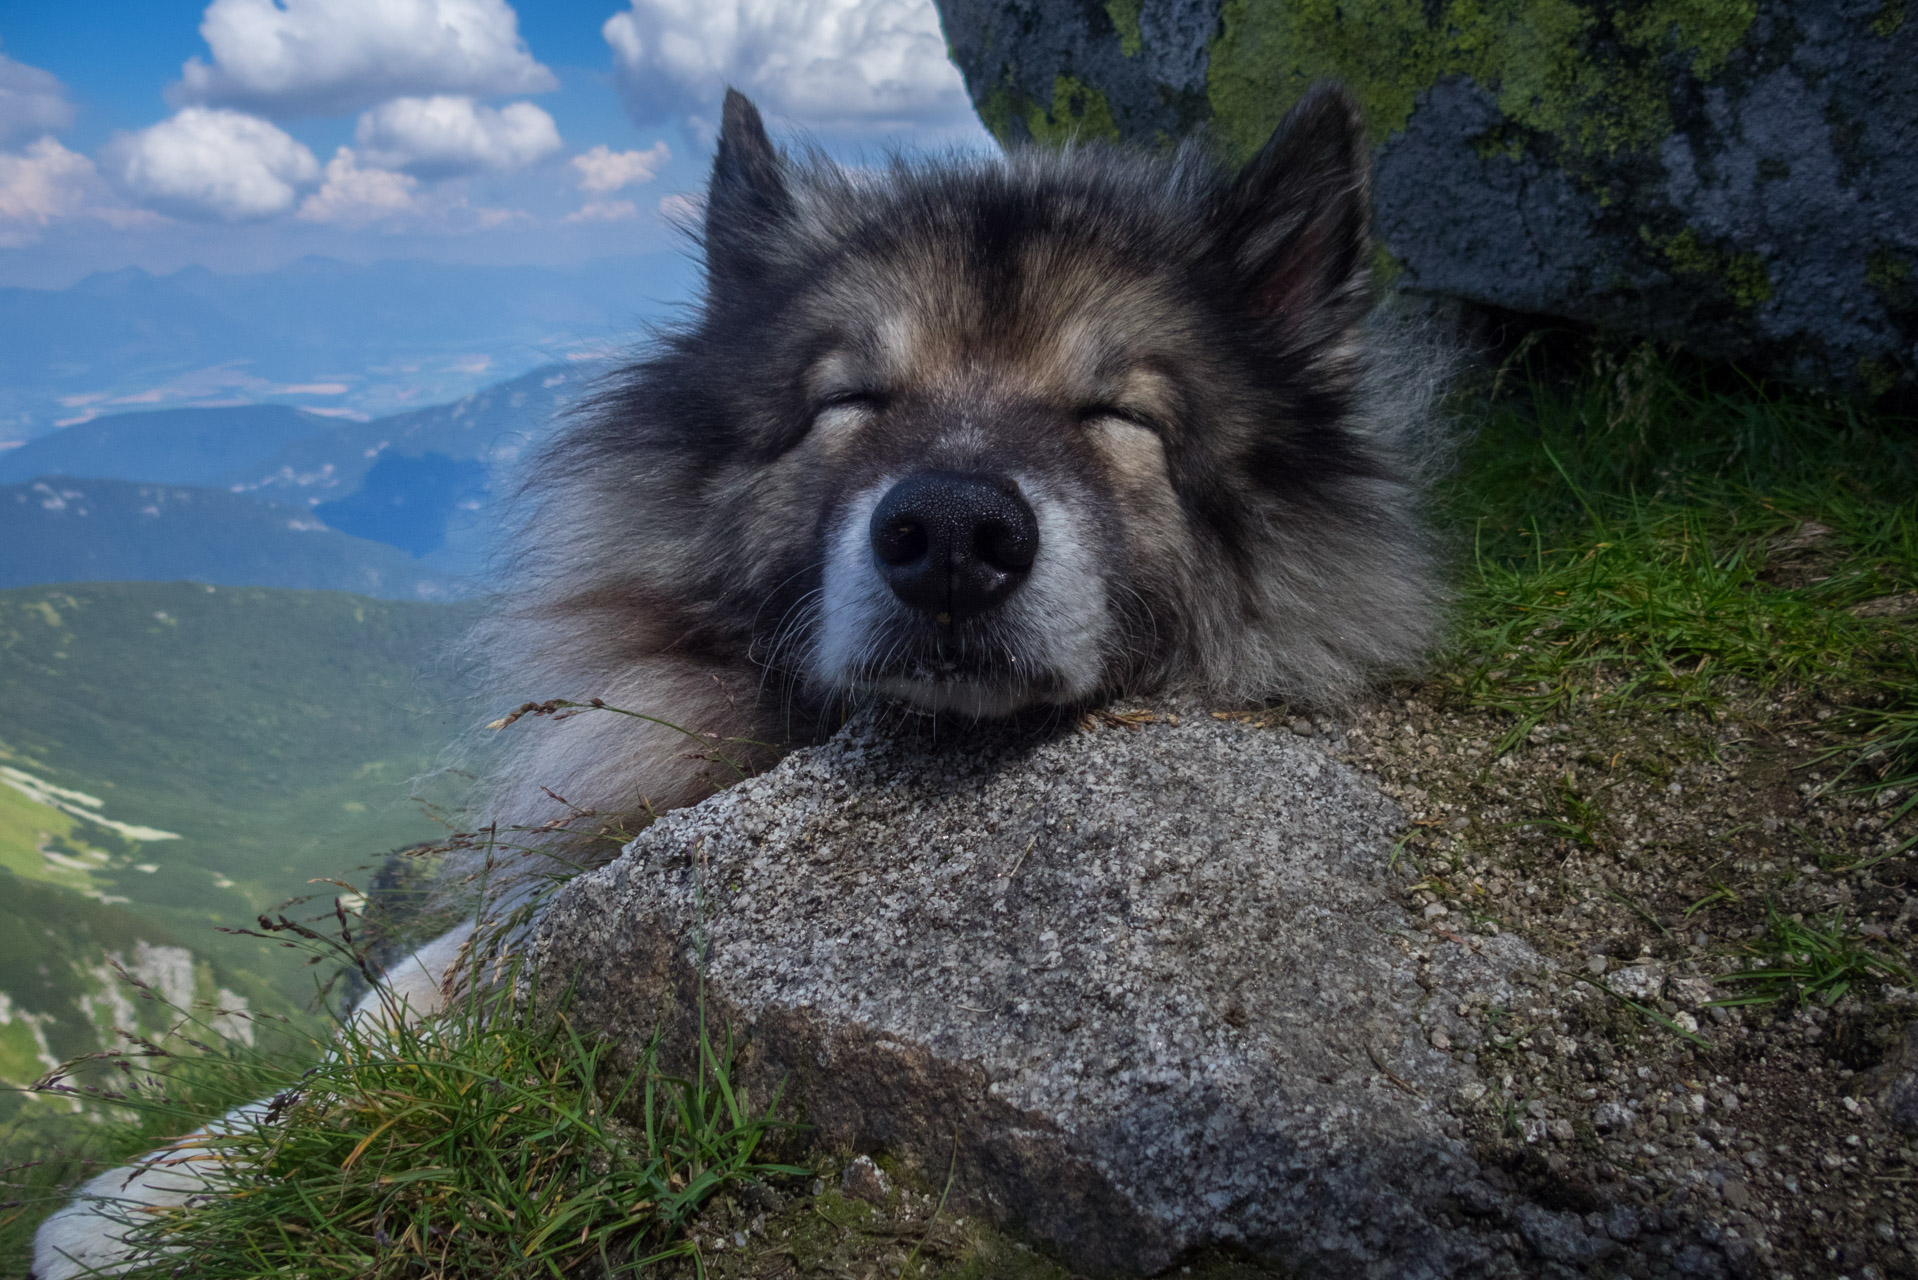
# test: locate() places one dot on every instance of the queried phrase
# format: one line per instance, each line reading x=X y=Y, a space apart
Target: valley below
x=178 y=758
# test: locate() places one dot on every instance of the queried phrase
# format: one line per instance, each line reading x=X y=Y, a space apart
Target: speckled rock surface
x=1146 y=987
x=1736 y=177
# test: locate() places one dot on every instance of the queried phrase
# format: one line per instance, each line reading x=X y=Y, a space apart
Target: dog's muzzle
x=953 y=545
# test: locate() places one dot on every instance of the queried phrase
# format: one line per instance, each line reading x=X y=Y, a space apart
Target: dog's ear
x=748 y=197
x=1295 y=223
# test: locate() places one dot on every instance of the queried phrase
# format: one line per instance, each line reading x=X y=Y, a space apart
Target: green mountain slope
x=275 y=735
x=61 y=996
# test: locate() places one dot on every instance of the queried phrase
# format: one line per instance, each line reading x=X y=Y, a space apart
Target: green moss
x=1507 y=143
x=1125 y=20
x=1885 y=23
x=1888 y=273
x=1742 y=275
x=1554 y=65
x=1711 y=29
x=1079 y=113
x=1689 y=255
x=999 y=109
x=1386 y=269
x=1747 y=279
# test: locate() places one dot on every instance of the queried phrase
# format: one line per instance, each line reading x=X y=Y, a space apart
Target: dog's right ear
x=1296 y=223
x=748 y=197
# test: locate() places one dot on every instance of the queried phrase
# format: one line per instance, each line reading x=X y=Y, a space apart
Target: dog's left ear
x=1296 y=221
x=748 y=197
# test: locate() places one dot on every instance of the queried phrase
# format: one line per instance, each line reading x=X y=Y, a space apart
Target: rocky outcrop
x=1144 y=986
x=1739 y=177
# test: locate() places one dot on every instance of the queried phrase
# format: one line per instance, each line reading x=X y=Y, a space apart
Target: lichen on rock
x=1731 y=175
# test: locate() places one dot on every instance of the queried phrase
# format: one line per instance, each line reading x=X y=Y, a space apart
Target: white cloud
x=212 y=163
x=858 y=64
x=357 y=196
x=32 y=101
x=352 y=196
x=444 y=135
x=604 y=169
x=45 y=183
x=324 y=57
x=604 y=211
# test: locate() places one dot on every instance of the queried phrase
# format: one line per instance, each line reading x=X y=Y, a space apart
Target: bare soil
x=1644 y=854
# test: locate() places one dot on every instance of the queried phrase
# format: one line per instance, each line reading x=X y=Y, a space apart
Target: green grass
x=1795 y=961
x=129 y=1101
x=1887 y=757
x=488 y=1148
x=481 y=1143
x=54 y=943
x=1629 y=523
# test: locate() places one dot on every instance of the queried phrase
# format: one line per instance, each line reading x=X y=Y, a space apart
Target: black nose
x=952 y=544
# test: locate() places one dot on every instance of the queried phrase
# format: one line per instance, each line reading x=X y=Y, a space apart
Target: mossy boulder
x=1740 y=176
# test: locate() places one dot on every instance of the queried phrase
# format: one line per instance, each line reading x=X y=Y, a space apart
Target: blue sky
x=240 y=134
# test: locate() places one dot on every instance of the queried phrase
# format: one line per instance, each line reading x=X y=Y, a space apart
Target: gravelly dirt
x=1641 y=853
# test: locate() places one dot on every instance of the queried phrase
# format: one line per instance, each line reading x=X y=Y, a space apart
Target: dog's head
x=981 y=434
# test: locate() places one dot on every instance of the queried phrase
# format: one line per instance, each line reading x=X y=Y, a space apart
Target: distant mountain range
x=269 y=495
x=495 y=426
x=168 y=446
x=62 y=529
x=320 y=334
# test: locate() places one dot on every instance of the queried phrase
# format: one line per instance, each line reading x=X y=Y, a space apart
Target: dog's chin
x=993 y=668
x=979 y=690
x=975 y=697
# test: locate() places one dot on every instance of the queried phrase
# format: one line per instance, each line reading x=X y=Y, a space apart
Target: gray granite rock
x=1738 y=178
x=1147 y=989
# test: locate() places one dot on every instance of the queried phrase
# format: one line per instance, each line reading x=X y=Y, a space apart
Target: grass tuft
x=480 y=1146
x=1796 y=961
x=492 y=1140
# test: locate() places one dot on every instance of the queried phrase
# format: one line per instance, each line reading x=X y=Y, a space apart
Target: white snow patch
x=76 y=803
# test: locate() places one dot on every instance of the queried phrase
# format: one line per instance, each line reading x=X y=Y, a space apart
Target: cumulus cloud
x=845 y=64
x=353 y=196
x=32 y=101
x=212 y=163
x=604 y=169
x=444 y=135
x=325 y=57
x=39 y=186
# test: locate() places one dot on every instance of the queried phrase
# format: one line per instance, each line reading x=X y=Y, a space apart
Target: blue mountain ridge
x=168 y=446
x=250 y=486
x=66 y=529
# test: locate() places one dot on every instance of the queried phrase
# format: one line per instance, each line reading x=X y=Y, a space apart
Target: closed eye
x=1094 y=412
x=864 y=399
